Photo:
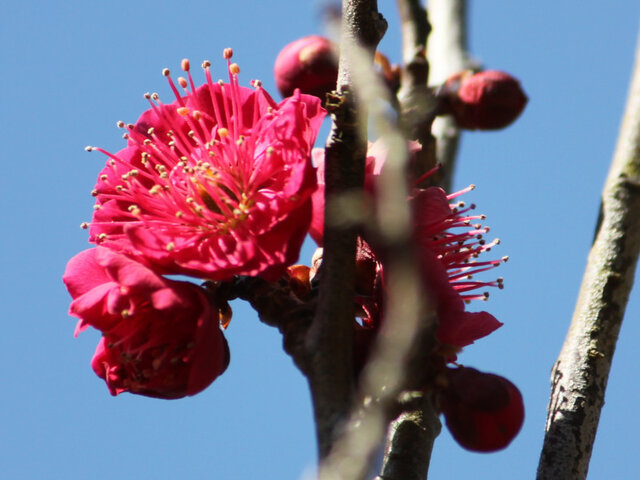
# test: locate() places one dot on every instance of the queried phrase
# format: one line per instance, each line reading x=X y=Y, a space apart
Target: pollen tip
x=472 y=187
x=84 y=225
x=234 y=68
x=182 y=82
x=88 y=148
x=185 y=65
x=227 y=53
x=166 y=72
x=206 y=64
x=147 y=95
x=505 y=258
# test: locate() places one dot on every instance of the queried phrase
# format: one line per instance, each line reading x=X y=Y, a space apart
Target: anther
x=166 y=72
x=120 y=124
x=182 y=82
x=88 y=148
x=147 y=95
x=185 y=65
x=206 y=64
x=234 y=68
x=84 y=225
x=182 y=111
x=227 y=53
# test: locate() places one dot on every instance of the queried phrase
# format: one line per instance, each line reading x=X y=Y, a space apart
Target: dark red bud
x=488 y=100
x=308 y=64
x=483 y=412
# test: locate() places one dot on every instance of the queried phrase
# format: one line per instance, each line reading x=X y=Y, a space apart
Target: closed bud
x=488 y=100
x=484 y=412
x=309 y=64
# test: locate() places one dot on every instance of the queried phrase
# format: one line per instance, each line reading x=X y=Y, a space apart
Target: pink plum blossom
x=160 y=337
x=215 y=184
x=449 y=240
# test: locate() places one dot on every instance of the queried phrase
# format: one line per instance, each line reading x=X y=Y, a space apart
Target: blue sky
x=72 y=69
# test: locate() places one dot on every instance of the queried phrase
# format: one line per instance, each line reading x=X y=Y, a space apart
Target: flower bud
x=484 y=412
x=488 y=100
x=309 y=64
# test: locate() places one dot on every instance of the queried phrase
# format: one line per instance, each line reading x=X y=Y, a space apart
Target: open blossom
x=215 y=184
x=161 y=338
x=449 y=240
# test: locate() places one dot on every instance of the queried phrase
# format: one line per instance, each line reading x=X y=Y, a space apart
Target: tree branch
x=447 y=54
x=330 y=338
x=579 y=376
x=407 y=335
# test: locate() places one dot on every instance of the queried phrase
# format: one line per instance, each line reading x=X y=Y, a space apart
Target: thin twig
x=579 y=376
x=330 y=338
x=416 y=100
x=447 y=54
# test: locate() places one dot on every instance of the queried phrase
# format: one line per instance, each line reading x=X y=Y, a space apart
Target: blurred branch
x=447 y=54
x=330 y=338
x=579 y=376
x=407 y=335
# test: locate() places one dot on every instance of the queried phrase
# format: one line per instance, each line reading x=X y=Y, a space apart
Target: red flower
x=216 y=184
x=449 y=241
x=161 y=338
x=484 y=412
x=449 y=244
x=309 y=64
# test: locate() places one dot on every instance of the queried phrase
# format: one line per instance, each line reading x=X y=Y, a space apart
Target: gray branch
x=579 y=376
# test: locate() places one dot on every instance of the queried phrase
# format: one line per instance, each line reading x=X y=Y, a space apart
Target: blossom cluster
x=215 y=184
x=223 y=182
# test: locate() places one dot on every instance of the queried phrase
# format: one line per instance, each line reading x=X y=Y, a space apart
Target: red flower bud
x=488 y=100
x=484 y=412
x=309 y=64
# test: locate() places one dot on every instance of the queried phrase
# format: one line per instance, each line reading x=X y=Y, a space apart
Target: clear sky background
x=71 y=69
